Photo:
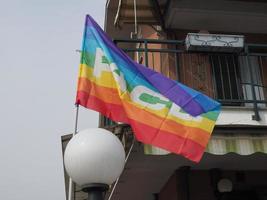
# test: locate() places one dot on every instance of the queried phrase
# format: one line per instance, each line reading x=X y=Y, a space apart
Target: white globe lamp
x=225 y=185
x=94 y=159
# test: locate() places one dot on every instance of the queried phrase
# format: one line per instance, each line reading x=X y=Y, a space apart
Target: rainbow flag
x=161 y=112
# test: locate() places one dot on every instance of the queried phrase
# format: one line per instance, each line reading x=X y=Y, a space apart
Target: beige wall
x=158 y=61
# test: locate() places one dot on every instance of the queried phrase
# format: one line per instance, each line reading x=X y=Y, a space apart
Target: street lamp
x=94 y=159
x=225 y=185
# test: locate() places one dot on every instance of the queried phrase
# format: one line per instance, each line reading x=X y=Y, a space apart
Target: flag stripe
x=175 y=128
x=166 y=140
x=109 y=95
x=112 y=111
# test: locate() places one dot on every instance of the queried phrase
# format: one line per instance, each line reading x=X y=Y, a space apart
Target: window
x=225 y=77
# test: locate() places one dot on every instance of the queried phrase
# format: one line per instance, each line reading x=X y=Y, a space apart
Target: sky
x=38 y=74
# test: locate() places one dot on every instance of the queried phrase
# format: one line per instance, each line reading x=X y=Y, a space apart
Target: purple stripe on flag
x=172 y=91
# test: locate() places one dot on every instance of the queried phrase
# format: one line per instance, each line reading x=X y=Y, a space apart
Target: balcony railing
x=234 y=79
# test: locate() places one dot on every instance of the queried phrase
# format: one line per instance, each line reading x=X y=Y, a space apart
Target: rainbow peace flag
x=161 y=112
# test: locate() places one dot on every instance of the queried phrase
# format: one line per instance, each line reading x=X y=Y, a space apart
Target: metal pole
x=146 y=53
x=75 y=131
x=96 y=195
x=135 y=18
x=96 y=191
x=256 y=116
x=76 y=120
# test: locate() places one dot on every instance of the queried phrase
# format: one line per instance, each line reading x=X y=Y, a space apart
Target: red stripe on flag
x=167 y=141
x=112 y=111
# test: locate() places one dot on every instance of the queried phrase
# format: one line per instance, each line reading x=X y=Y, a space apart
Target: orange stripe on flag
x=109 y=95
x=112 y=111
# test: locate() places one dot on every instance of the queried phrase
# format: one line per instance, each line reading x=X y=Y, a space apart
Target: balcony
x=237 y=80
x=239 y=16
x=220 y=15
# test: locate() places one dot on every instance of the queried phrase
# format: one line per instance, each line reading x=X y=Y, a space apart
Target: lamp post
x=225 y=185
x=94 y=159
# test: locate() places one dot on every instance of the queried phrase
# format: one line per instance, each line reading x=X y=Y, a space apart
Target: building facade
x=218 y=47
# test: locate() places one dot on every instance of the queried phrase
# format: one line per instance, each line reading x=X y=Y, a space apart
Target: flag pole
x=75 y=131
